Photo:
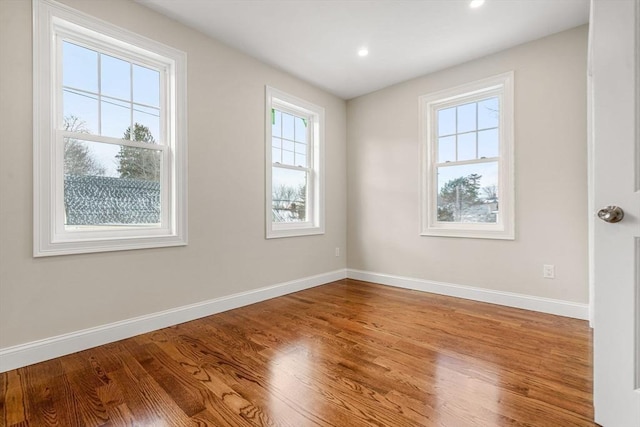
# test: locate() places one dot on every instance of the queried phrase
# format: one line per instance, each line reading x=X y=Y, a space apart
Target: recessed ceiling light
x=363 y=52
x=476 y=3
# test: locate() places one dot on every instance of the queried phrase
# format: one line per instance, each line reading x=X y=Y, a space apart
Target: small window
x=109 y=137
x=467 y=179
x=294 y=159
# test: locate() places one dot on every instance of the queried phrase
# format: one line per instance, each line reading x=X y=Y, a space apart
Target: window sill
x=276 y=233
x=475 y=233
x=106 y=245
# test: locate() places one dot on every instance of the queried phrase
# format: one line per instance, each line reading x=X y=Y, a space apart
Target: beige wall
x=551 y=178
x=227 y=251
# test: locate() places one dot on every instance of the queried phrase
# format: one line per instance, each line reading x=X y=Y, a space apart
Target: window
x=109 y=137
x=467 y=171
x=294 y=164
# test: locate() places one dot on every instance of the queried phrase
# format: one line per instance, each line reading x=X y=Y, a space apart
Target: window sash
x=110 y=140
x=66 y=232
x=436 y=195
x=467 y=162
x=278 y=105
x=309 y=201
x=62 y=33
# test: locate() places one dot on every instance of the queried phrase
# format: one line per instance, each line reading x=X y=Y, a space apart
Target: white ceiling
x=318 y=40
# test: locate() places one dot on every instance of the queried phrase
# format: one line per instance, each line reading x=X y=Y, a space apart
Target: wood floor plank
x=90 y=406
x=12 y=396
x=50 y=400
x=346 y=354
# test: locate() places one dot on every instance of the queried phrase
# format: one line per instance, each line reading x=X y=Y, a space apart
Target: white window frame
x=54 y=22
x=502 y=87
x=314 y=114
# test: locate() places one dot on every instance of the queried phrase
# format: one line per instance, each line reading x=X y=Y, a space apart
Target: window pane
x=139 y=163
x=276 y=123
x=146 y=86
x=149 y=118
x=288 y=158
x=288 y=126
x=300 y=130
x=79 y=67
x=488 y=145
x=301 y=149
x=276 y=155
x=301 y=154
x=289 y=195
x=115 y=78
x=488 y=113
x=301 y=160
x=107 y=184
x=468 y=193
x=80 y=112
x=140 y=133
x=447 y=121
x=89 y=158
x=287 y=145
x=467 y=146
x=447 y=149
x=116 y=117
x=466 y=117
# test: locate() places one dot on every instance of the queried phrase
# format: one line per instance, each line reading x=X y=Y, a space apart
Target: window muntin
x=467 y=177
x=294 y=139
x=109 y=137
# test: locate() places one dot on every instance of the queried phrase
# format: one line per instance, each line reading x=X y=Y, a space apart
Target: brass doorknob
x=611 y=214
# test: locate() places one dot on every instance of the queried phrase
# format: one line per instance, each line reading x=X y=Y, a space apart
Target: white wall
x=227 y=251
x=551 y=178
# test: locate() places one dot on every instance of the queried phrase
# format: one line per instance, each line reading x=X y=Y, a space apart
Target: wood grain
x=349 y=353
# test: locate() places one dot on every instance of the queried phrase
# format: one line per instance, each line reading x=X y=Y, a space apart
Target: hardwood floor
x=349 y=353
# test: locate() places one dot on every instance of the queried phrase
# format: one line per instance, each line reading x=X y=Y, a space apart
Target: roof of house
x=104 y=200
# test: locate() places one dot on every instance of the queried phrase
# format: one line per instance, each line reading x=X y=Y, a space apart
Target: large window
x=467 y=179
x=294 y=159
x=109 y=137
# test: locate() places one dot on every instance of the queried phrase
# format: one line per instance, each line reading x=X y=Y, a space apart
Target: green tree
x=457 y=195
x=77 y=158
x=139 y=163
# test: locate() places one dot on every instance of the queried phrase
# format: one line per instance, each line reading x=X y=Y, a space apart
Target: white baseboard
x=510 y=299
x=38 y=351
x=49 y=348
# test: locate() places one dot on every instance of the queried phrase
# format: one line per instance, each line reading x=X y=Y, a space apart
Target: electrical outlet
x=548 y=271
x=337 y=252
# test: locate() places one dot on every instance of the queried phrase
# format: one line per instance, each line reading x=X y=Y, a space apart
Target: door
x=615 y=180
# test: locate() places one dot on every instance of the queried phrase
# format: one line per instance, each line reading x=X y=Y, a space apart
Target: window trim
x=52 y=23
x=275 y=98
x=502 y=86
